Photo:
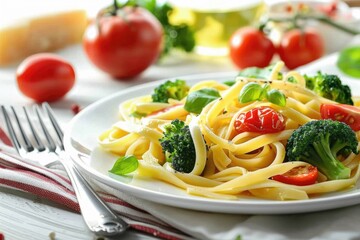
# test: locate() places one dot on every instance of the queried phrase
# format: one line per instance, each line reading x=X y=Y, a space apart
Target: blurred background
x=199 y=35
x=27 y=27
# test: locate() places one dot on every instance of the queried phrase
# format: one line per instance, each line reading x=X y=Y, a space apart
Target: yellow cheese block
x=41 y=34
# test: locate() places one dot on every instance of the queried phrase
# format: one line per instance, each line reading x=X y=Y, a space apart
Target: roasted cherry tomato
x=261 y=120
x=124 y=43
x=45 y=77
x=300 y=176
x=299 y=47
x=249 y=47
x=343 y=113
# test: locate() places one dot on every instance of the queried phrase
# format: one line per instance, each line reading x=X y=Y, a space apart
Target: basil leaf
x=138 y=114
x=125 y=165
x=255 y=72
x=276 y=97
x=250 y=92
x=349 y=61
x=230 y=82
x=197 y=100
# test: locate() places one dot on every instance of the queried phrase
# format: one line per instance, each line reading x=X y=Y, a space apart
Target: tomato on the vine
x=298 y=47
x=124 y=42
x=45 y=77
x=250 y=47
x=261 y=119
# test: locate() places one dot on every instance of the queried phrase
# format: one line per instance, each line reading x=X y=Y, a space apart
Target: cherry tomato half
x=299 y=47
x=300 y=176
x=261 y=120
x=343 y=113
x=45 y=77
x=249 y=47
x=126 y=44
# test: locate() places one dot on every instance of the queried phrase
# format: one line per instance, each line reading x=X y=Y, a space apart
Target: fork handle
x=97 y=215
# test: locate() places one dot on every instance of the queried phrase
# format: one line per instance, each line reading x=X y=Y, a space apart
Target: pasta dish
x=243 y=138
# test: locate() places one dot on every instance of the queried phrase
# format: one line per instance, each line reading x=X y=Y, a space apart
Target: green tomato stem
x=323 y=19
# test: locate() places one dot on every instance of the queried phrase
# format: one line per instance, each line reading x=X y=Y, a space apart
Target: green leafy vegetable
x=251 y=92
x=349 y=61
x=255 y=72
x=276 y=97
x=178 y=146
x=229 y=82
x=329 y=86
x=125 y=165
x=197 y=100
x=175 y=36
x=138 y=114
x=255 y=92
x=177 y=89
x=320 y=143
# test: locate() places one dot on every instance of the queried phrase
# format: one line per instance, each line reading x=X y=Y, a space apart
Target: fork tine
x=55 y=124
x=11 y=130
x=28 y=144
x=40 y=145
x=50 y=140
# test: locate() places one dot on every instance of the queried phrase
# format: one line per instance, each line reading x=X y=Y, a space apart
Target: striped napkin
x=54 y=185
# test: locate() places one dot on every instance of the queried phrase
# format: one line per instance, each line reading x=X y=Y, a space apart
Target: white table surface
x=23 y=216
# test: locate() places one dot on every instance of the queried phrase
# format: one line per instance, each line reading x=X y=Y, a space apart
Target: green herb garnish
x=197 y=100
x=349 y=61
x=125 y=165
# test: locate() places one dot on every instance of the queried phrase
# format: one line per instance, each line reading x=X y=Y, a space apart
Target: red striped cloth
x=50 y=184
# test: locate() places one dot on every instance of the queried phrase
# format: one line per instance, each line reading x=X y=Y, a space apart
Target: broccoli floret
x=178 y=146
x=320 y=143
x=177 y=89
x=330 y=87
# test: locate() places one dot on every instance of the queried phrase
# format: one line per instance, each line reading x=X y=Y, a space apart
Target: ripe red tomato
x=299 y=47
x=45 y=77
x=343 y=113
x=261 y=120
x=300 y=176
x=126 y=44
x=249 y=47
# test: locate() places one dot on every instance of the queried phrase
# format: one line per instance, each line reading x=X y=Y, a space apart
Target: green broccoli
x=330 y=87
x=320 y=143
x=178 y=146
x=177 y=89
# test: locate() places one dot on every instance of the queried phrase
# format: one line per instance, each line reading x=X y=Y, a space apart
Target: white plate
x=90 y=122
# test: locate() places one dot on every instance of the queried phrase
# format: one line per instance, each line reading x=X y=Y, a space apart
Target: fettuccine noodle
x=229 y=165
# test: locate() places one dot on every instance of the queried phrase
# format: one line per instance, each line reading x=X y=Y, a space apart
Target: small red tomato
x=343 y=113
x=249 y=47
x=124 y=43
x=299 y=47
x=260 y=120
x=300 y=176
x=45 y=77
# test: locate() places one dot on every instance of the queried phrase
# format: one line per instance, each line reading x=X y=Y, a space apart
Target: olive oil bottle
x=214 y=21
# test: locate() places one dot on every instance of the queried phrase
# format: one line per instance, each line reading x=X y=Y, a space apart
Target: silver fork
x=97 y=215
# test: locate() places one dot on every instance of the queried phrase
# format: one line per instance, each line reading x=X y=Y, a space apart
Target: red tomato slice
x=261 y=120
x=163 y=110
x=343 y=113
x=300 y=176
